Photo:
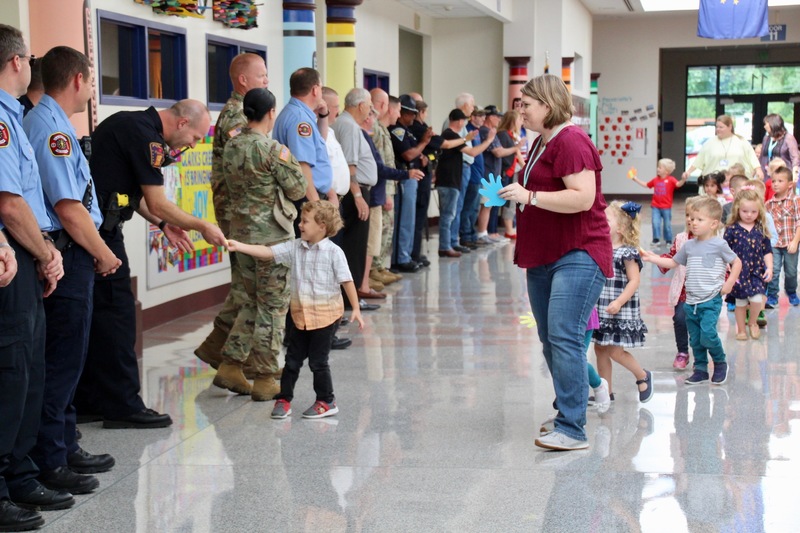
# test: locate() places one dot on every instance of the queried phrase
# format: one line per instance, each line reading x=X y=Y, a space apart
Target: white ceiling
x=443 y=8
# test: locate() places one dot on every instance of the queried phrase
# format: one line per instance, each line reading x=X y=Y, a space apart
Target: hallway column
x=340 y=52
x=517 y=77
x=299 y=39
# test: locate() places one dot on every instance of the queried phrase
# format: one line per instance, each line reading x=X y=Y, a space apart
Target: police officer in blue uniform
x=23 y=219
x=128 y=150
x=70 y=202
x=408 y=154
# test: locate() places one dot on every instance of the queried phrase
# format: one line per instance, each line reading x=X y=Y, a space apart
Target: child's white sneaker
x=602 y=399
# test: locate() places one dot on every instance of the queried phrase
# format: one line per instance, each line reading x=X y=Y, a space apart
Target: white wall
x=269 y=33
x=576 y=39
x=626 y=54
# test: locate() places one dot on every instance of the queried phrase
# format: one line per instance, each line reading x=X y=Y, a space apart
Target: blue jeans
x=781 y=258
x=566 y=291
x=701 y=321
x=493 y=214
x=662 y=216
x=406 y=201
x=465 y=173
x=448 y=202
x=472 y=204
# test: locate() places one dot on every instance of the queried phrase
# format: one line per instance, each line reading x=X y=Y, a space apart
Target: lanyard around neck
x=538 y=150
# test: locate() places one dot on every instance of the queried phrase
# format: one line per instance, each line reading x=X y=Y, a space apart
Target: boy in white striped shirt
x=706 y=258
x=318 y=272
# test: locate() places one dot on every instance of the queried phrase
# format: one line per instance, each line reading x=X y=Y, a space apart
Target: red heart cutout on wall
x=608 y=119
x=618 y=137
x=618 y=146
x=602 y=127
x=614 y=153
x=605 y=137
x=600 y=152
x=619 y=161
x=624 y=153
x=605 y=145
x=627 y=127
x=627 y=137
x=614 y=127
x=627 y=146
x=619 y=119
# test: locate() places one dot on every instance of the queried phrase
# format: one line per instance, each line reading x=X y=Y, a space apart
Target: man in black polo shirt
x=128 y=150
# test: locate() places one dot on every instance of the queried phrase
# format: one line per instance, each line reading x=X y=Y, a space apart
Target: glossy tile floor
x=440 y=401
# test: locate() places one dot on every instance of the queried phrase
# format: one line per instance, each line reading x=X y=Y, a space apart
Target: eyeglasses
x=31 y=58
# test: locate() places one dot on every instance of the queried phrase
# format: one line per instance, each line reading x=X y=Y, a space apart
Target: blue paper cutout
x=490 y=191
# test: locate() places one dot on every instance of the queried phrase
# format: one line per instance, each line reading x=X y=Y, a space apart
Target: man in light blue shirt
x=24 y=222
x=75 y=211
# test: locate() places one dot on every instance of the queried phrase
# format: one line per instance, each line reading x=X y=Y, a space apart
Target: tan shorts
x=375 y=230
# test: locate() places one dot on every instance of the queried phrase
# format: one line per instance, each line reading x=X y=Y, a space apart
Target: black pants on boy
x=314 y=345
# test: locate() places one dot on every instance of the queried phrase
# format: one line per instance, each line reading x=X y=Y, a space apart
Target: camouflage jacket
x=255 y=167
x=230 y=122
x=383 y=142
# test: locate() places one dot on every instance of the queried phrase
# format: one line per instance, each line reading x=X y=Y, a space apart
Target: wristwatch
x=534 y=201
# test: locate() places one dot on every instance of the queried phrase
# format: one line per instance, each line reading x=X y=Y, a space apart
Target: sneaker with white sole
x=281 y=410
x=602 y=399
x=321 y=410
x=720 y=374
x=558 y=441
x=697 y=377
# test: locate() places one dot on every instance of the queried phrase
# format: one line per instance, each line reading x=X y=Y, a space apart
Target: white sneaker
x=558 y=441
x=602 y=399
x=548 y=425
x=484 y=239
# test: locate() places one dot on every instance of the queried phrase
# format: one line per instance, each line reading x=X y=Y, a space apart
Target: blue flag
x=732 y=19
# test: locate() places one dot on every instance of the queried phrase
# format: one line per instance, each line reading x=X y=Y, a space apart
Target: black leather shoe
x=43 y=499
x=84 y=462
x=343 y=321
x=63 y=478
x=144 y=419
x=14 y=518
x=78 y=435
x=462 y=249
x=340 y=344
x=411 y=267
x=422 y=261
x=86 y=418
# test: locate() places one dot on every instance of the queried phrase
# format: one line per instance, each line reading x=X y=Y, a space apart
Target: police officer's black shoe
x=147 y=418
x=411 y=266
x=340 y=343
x=422 y=261
x=13 y=518
x=43 y=499
x=63 y=478
x=87 y=418
x=84 y=462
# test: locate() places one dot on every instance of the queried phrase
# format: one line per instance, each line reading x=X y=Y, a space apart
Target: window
x=141 y=62
x=219 y=54
x=374 y=78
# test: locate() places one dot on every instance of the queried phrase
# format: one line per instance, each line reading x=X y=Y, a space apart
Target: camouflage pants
x=235 y=299
x=379 y=262
x=258 y=329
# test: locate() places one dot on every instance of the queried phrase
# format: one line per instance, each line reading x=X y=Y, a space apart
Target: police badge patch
x=400 y=133
x=5 y=135
x=304 y=129
x=156 y=155
x=60 y=145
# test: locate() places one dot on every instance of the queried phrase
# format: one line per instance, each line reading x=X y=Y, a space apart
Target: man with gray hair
x=466 y=103
x=363 y=175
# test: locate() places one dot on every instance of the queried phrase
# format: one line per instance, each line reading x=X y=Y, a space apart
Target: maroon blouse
x=543 y=237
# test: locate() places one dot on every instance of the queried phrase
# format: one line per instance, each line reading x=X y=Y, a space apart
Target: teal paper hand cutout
x=490 y=189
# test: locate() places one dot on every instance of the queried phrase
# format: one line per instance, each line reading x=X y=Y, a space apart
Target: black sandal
x=647 y=393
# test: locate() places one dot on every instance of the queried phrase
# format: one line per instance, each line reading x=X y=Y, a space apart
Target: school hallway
x=440 y=401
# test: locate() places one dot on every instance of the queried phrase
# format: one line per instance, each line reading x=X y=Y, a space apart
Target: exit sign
x=777 y=32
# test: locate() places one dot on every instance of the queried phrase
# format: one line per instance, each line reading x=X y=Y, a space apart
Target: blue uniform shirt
x=62 y=165
x=19 y=174
x=296 y=128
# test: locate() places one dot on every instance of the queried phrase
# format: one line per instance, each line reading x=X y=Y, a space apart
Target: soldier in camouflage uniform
x=388 y=115
x=247 y=71
x=262 y=177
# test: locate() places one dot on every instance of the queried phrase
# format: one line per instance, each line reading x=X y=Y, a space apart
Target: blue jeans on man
x=469 y=215
x=662 y=217
x=701 y=322
x=448 y=202
x=406 y=208
x=782 y=259
x=562 y=296
x=465 y=172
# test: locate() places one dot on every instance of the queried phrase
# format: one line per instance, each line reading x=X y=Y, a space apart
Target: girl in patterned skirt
x=748 y=237
x=621 y=324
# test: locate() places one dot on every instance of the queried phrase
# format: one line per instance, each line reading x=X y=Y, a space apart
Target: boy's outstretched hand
x=647 y=255
x=232 y=245
x=355 y=316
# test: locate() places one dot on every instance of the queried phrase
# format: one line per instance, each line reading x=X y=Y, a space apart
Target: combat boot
x=210 y=351
x=265 y=389
x=229 y=376
x=250 y=372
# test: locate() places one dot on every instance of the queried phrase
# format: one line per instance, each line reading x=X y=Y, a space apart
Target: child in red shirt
x=663 y=185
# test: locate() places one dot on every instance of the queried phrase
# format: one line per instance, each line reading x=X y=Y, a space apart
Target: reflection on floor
x=440 y=398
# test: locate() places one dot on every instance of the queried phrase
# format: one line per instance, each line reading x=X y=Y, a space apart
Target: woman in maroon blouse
x=564 y=242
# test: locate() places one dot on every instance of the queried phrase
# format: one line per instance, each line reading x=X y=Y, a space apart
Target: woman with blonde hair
x=726 y=148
